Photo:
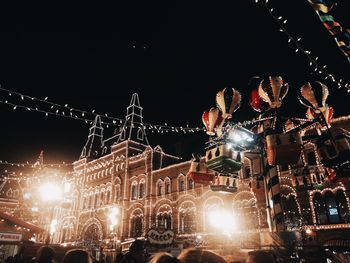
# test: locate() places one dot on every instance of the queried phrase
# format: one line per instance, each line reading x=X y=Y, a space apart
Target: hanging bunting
x=341 y=35
x=342 y=40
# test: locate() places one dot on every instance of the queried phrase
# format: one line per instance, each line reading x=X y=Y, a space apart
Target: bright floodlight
x=53 y=226
x=50 y=192
x=113 y=214
x=222 y=220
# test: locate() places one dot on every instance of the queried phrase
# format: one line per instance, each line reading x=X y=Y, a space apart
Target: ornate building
x=122 y=187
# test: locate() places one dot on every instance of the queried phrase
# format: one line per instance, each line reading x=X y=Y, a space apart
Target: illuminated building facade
x=151 y=190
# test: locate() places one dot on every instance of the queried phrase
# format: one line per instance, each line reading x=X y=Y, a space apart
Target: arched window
x=167 y=186
x=134 y=191
x=164 y=221
x=117 y=192
x=108 y=196
x=187 y=218
x=291 y=212
x=190 y=184
x=102 y=196
x=320 y=209
x=181 y=182
x=160 y=190
x=343 y=206
x=140 y=134
x=188 y=222
x=141 y=190
x=167 y=221
x=136 y=226
x=332 y=208
x=311 y=158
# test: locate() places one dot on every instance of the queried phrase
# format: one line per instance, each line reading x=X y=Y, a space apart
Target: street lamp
x=50 y=193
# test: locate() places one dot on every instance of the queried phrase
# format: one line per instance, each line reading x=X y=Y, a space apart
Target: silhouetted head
x=163 y=257
x=76 y=256
x=137 y=246
x=194 y=255
x=45 y=254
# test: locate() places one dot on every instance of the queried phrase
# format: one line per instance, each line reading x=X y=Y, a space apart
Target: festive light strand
x=33 y=177
x=34 y=165
x=108 y=120
x=313 y=62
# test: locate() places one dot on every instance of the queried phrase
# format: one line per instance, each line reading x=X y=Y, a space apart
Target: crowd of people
x=138 y=254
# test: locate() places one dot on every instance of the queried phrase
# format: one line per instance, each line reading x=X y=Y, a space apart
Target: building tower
x=133 y=128
x=92 y=148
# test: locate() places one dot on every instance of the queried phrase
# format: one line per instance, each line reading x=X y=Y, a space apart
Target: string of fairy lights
x=296 y=43
x=20 y=177
x=67 y=111
x=33 y=165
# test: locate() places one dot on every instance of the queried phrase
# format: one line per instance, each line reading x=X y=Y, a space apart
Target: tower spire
x=133 y=128
x=40 y=161
x=93 y=144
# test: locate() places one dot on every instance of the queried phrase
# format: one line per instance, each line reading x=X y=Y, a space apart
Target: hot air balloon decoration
x=228 y=101
x=199 y=172
x=314 y=95
x=283 y=149
x=273 y=91
x=223 y=159
x=224 y=184
x=327 y=113
x=255 y=101
x=336 y=150
x=213 y=121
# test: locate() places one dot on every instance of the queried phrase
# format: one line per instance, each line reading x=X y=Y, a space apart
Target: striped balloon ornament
x=213 y=121
x=314 y=95
x=228 y=101
x=273 y=91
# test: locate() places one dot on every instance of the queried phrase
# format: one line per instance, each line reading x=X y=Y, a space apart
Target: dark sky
x=184 y=53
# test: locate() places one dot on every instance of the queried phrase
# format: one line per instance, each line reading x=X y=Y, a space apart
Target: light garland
x=33 y=165
x=82 y=115
x=320 y=69
x=13 y=176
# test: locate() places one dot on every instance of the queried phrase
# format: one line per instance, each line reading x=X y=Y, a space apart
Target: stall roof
x=20 y=222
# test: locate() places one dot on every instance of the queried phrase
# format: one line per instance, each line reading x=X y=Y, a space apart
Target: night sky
x=176 y=56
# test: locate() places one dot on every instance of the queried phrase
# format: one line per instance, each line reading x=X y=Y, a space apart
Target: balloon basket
x=201 y=178
x=224 y=165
